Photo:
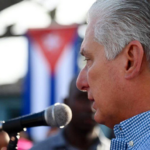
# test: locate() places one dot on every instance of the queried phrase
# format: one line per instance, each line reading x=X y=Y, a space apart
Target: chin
x=102 y=120
x=98 y=118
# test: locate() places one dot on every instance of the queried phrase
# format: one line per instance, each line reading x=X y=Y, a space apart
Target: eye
x=82 y=61
x=86 y=59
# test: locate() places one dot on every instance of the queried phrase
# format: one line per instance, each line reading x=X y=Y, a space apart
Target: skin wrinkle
x=115 y=79
x=117 y=73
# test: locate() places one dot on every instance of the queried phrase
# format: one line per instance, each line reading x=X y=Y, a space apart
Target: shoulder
x=49 y=143
x=145 y=144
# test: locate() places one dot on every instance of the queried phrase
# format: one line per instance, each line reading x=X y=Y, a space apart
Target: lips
x=93 y=101
x=90 y=97
x=94 y=106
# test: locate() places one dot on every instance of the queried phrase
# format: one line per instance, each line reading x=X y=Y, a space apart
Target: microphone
x=58 y=115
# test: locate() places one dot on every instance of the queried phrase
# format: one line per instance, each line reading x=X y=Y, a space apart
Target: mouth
x=93 y=107
x=93 y=104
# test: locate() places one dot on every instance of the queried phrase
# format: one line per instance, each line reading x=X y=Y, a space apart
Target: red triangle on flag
x=52 y=42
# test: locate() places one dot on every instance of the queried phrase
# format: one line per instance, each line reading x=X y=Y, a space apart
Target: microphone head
x=58 y=115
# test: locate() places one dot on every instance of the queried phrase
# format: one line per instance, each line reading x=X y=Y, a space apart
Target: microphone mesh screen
x=58 y=115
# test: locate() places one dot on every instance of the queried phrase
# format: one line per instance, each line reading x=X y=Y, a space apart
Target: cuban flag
x=53 y=55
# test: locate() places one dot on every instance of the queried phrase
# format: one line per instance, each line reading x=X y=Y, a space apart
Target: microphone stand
x=12 y=145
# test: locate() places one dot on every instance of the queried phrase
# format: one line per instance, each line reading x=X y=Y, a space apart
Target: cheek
x=98 y=77
x=103 y=84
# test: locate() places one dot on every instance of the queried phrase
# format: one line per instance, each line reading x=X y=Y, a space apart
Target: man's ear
x=134 y=54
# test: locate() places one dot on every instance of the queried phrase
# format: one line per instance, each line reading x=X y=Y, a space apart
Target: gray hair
x=118 y=22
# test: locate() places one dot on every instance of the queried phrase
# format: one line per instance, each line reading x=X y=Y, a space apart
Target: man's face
x=103 y=81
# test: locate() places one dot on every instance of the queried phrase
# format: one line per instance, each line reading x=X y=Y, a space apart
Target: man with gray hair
x=116 y=76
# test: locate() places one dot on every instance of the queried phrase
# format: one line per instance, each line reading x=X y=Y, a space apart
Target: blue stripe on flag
x=27 y=86
x=77 y=45
x=52 y=97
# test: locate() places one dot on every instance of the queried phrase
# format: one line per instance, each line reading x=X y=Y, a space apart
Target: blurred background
x=36 y=63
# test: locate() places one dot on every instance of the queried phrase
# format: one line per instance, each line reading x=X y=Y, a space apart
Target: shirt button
x=131 y=143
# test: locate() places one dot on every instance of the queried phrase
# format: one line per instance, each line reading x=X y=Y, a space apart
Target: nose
x=81 y=82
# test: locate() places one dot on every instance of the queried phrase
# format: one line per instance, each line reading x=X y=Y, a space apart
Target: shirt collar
x=134 y=128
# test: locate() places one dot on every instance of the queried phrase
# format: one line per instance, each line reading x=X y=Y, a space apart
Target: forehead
x=88 y=39
x=90 y=46
x=89 y=34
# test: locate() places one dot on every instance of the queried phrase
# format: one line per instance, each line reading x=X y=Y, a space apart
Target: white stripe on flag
x=40 y=88
x=64 y=73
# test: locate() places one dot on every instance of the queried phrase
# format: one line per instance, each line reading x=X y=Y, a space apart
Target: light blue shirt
x=133 y=133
